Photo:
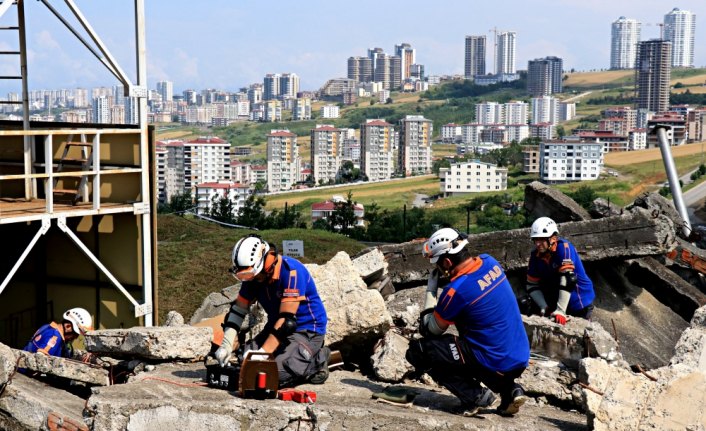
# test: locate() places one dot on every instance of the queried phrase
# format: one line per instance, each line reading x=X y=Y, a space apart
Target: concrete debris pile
x=618 y=372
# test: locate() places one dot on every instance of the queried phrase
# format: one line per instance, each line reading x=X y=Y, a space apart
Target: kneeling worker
x=492 y=348
x=54 y=339
x=296 y=318
x=556 y=279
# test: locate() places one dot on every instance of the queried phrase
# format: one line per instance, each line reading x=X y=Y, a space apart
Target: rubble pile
x=639 y=365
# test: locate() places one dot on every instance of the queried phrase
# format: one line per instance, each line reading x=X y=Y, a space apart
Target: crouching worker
x=296 y=318
x=54 y=339
x=492 y=347
x=556 y=279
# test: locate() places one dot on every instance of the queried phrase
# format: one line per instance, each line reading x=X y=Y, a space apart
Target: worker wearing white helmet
x=54 y=339
x=492 y=347
x=556 y=279
x=296 y=318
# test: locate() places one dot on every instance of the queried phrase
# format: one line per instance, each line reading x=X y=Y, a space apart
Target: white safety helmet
x=543 y=227
x=444 y=241
x=80 y=319
x=249 y=257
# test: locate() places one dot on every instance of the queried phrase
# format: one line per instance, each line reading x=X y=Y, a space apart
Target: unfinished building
x=76 y=200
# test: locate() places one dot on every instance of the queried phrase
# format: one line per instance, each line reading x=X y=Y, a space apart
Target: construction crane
x=661 y=26
x=495 y=31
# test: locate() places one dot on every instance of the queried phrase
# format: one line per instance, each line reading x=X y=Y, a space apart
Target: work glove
x=538 y=298
x=559 y=315
x=559 y=318
x=223 y=353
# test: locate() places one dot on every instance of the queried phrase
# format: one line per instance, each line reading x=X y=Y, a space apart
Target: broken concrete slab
x=384 y=286
x=542 y=200
x=169 y=398
x=371 y=265
x=354 y=311
x=26 y=404
x=388 y=359
x=604 y=208
x=658 y=204
x=670 y=289
x=62 y=367
x=553 y=380
x=156 y=343
x=406 y=265
x=215 y=303
x=646 y=329
x=405 y=305
x=569 y=343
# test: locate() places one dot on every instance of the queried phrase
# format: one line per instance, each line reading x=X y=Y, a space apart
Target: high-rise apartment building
x=569 y=161
x=516 y=113
x=326 y=153
x=132 y=110
x=166 y=90
x=474 y=63
x=360 y=69
x=414 y=154
x=624 y=37
x=490 y=113
x=653 y=73
x=679 y=28
x=373 y=54
x=288 y=85
x=408 y=57
x=189 y=96
x=505 y=54
x=271 y=86
x=545 y=110
x=377 y=140
x=544 y=76
x=395 y=72
x=206 y=159
x=382 y=70
x=101 y=110
x=283 y=162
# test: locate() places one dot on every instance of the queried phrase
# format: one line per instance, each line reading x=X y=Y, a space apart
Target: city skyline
x=231 y=45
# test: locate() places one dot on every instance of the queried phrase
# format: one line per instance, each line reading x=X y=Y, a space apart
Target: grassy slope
x=194 y=258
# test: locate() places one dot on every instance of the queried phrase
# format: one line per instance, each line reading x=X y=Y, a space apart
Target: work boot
x=511 y=403
x=484 y=399
x=319 y=377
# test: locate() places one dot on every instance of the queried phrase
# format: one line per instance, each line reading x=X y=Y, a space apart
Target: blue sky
x=227 y=44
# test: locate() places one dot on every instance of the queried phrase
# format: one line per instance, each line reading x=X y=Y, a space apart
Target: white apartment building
x=471 y=177
x=450 y=133
x=272 y=111
x=351 y=150
x=545 y=109
x=516 y=112
x=101 y=110
x=544 y=131
x=624 y=37
x=170 y=169
x=637 y=139
x=326 y=153
x=569 y=161
x=206 y=160
x=329 y=111
x=414 y=154
x=490 y=113
x=283 y=161
x=567 y=111
x=240 y=172
x=258 y=174
x=301 y=109
x=206 y=193
x=166 y=90
x=517 y=132
x=679 y=28
x=376 y=146
x=506 y=52
x=383 y=95
x=470 y=133
x=194 y=114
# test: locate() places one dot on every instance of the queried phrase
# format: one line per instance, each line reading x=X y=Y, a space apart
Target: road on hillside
x=694 y=199
x=578 y=96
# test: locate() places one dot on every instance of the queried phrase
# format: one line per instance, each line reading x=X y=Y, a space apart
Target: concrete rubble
x=639 y=365
x=62 y=367
x=155 y=343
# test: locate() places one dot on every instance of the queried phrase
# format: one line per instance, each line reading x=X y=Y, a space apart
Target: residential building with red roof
x=283 y=161
x=206 y=193
x=323 y=210
x=376 y=147
x=326 y=152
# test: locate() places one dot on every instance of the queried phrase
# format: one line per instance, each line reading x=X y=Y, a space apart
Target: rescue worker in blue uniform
x=296 y=318
x=556 y=279
x=54 y=339
x=492 y=347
